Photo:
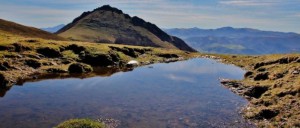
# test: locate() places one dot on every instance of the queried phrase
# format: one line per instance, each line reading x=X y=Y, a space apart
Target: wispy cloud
x=180 y=78
x=249 y=2
x=262 y=14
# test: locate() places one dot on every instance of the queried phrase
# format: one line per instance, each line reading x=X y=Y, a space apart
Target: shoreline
x=271 y=86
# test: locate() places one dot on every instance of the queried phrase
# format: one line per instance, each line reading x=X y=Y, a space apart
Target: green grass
x=80 y=123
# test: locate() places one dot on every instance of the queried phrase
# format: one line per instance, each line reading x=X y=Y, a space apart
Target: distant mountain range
x=238 y=40
x=110 y=25
x=53 y=29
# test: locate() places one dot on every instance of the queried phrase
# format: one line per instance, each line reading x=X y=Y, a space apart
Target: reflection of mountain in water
x=98 y=71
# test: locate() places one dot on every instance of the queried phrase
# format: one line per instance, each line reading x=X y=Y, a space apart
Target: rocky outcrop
x=33 y=63
x=3 y=81
x=49 y=52
x=98 y=59
x=167 y=55
x=4 y=66
x=75 y=48
x=20 y=48
x=262 y=76
x=256 y=91
x=79 y=68
x=284 y=60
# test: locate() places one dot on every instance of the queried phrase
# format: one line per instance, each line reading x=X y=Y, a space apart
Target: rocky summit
x=110 y=25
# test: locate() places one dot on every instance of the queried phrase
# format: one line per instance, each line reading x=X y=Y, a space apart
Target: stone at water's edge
x=132 y=63
x=80 y=68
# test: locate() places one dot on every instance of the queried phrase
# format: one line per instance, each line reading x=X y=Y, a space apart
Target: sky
x=274 y=15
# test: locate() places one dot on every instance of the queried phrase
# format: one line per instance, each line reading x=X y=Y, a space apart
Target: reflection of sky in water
x=181 y=94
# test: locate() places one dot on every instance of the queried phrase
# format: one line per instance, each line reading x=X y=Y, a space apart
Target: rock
x=114 y=56
x=67 y=61
x=49 y=63
x=98 y=59
x=49 y=52
x=256 y=91
x=128 y=51
x=6 y=48
x=20 y=48
x=79 y=68
x=75 y=48
x=258 y=65
x=168 y=55
x=262 y=76
x=4 y=66
x=132 y=63
x=296 y=72
x=32 y=41
x=32 y=56
x=4 y=82
x=56 y=70
x=266 y=114
x=276 y=76
x=286 y=60
x=33 y=63
x=247 y=74
x=261 y=69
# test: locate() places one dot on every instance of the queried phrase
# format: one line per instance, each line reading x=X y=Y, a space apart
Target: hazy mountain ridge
x=110 y=25
x=53 y=29
x=239 y=40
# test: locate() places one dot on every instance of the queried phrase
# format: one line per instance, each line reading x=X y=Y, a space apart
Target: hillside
x=230 y=40
x=25 y=31
x=110 y=25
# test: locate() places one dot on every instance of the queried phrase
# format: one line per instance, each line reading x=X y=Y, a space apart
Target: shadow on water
x=98 y=71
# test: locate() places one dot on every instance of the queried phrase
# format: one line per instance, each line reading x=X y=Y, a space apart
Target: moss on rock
x=80 y=123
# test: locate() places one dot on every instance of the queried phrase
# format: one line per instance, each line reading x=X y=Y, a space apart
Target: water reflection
x=182 y=94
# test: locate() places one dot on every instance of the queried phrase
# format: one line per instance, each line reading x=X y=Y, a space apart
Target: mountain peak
x=109 y=8
x=107 y=24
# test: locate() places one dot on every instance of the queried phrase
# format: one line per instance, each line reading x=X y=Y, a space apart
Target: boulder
x=128 y=51
x=4 y=66
x=6 y=48
x=132 y=63
x=266 y=114
x=98 y=59
x=262 y=76
x=3 y=81
x=256 y=91
x=247 y=74
x=75 y=48
x=166 y=55
x=49 y=52
x=79 y=68
x=20 y=48
x=33 y=63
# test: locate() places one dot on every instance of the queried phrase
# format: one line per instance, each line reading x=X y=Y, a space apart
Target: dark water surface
x=183 y=94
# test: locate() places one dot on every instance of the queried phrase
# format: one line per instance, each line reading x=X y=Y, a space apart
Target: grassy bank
x=23 y=58
x=272 y=86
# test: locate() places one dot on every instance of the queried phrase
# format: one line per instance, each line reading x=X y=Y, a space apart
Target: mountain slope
x=239 y=40
x=110 y=25
x=54 y=28
x=17 y=29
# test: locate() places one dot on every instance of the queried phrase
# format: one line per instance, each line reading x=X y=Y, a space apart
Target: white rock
x=132 y=63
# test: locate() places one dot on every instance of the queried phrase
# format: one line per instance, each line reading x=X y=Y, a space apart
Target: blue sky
x=276 y=15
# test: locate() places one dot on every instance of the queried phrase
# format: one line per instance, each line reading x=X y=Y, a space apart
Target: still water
x=184 y=94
